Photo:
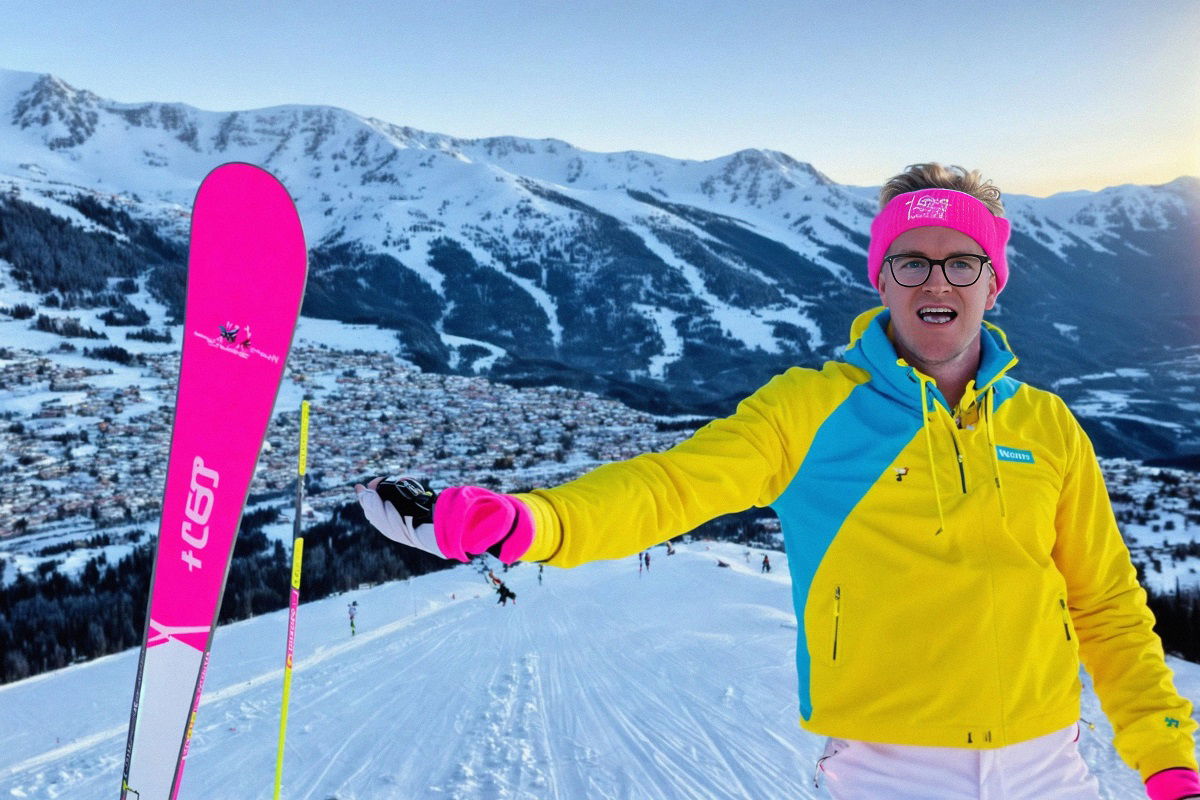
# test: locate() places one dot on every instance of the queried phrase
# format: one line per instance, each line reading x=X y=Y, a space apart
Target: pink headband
x=944 y=208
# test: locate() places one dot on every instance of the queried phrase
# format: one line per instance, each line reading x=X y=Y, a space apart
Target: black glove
x=401 y=508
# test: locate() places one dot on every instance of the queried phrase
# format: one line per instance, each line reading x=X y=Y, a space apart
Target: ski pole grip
x=303 y=436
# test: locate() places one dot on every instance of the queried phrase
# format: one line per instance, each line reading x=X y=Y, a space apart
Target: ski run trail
x=603 y=682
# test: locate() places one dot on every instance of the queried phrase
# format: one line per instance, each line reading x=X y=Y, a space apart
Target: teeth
x=937 y=315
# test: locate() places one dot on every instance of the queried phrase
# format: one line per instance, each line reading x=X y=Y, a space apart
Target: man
x=952 y=550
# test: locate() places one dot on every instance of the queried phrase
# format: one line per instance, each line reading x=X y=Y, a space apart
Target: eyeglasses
x=962 y=270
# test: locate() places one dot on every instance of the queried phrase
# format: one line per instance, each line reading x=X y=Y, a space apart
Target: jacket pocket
x=1066 y=617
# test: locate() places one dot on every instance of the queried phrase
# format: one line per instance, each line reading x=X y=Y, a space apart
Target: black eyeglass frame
x=984 y=261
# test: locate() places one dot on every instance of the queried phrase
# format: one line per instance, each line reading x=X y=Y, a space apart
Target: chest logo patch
x=1013 y=454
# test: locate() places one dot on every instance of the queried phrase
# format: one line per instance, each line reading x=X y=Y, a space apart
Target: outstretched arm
x=729 y=465
x=1117 y=643
x=622 y=508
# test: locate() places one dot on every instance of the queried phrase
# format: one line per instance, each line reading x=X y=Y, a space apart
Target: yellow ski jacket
x=950 y=566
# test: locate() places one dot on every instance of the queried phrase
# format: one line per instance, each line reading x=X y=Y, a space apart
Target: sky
x=1042 y=97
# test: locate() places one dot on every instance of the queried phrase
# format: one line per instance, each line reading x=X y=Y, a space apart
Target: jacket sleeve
x=622 y=508
x=1117 y=643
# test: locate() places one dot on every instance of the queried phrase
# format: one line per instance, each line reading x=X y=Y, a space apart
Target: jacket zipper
x=837 y=618
x=962 y=475
x=1066 y=626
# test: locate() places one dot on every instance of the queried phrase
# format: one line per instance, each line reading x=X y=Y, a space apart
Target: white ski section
x=159 y=735
x=601 y=683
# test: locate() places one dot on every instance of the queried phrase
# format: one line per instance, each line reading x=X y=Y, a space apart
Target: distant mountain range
x=670 y=284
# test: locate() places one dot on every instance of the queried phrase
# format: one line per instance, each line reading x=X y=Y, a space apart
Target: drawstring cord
x=937 y=493
x=989 y=408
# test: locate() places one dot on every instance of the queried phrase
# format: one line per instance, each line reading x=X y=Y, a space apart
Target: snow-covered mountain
x=667 y=283
x=601 y=682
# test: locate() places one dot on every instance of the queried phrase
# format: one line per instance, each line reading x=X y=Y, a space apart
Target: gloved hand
x=1173 y=784
x=402 y=510
x=459 y=522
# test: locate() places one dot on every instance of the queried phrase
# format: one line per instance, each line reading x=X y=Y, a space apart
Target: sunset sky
x=1043 y=97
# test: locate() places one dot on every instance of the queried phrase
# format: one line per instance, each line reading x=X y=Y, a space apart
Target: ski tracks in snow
x=506 y=753
x=601 y=684
x=641 y=703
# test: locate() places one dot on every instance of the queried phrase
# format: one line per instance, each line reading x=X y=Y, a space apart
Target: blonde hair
x=937 y=176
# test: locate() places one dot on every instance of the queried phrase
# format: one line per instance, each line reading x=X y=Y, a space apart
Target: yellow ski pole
x=294 y=602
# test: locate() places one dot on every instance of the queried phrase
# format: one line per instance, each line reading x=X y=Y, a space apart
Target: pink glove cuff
x=470 y=519
x=1171 y=784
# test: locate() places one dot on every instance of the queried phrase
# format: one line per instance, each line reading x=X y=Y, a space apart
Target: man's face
x=925 y=338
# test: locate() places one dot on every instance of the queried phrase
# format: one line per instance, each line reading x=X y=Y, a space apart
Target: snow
x=1068 y=219
x=481 y=364
x=1115 y=404
x=601 y=683
x=344 y=336
x=404 y=188
x=664 y=322
x=1069 y=331
x=395 y=189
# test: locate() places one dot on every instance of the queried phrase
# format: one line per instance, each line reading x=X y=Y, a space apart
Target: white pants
x=1046 y=768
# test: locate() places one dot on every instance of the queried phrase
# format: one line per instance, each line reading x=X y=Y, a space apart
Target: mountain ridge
x=693 y=280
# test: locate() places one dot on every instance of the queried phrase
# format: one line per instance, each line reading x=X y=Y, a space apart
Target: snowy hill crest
x=599 y=682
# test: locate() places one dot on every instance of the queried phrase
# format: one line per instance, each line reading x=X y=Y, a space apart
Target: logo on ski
x=198 y=509
x=161 y=634
x=235 y=339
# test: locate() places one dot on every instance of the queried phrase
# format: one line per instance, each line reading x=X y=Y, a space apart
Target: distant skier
x=540 y=568
x=766 y=564
x=641 y=562
x=943 y=619
x=506 y=594
x=670 y=549
x=647 y=561
x=352 y=610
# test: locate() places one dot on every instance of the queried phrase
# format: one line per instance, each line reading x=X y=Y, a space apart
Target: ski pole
x=294 y=602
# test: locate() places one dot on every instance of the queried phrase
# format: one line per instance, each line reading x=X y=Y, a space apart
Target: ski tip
x=245 y=203
x=240 y=170
x=242 y=178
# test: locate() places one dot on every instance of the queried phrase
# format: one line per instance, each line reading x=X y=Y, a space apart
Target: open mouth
x=937 y=315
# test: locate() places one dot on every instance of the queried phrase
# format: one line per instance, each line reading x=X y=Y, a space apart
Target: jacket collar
x=871 y=349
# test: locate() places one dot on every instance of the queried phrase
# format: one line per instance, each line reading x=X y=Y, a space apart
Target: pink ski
x=247 y=266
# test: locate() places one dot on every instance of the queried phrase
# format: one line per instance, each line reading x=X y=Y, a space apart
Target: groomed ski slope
x=602 y=683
